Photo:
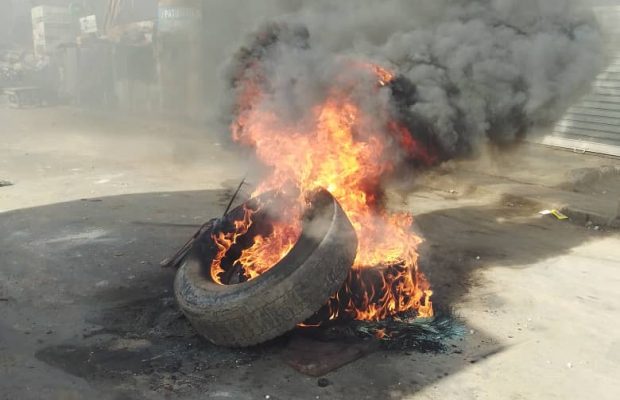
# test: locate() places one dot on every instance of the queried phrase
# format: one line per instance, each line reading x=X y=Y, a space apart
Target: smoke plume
x=466 y=71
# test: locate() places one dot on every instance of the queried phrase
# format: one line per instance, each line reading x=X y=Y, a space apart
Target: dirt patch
x=602 y=181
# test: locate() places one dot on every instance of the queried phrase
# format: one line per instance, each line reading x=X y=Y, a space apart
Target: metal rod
x=178 y=257
x=235 y=195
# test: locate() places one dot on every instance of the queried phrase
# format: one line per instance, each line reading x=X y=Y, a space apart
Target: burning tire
x=263 y=308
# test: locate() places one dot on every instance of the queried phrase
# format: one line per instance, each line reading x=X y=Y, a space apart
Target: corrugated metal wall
x=593 y=122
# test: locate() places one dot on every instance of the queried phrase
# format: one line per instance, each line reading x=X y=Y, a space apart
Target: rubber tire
x=293 y=290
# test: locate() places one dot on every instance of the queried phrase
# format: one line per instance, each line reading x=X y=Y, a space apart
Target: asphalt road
x=86 y=311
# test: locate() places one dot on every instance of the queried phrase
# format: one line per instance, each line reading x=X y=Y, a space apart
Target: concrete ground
x=86 y=311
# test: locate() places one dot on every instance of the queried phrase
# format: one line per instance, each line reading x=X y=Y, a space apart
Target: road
x=98 y=201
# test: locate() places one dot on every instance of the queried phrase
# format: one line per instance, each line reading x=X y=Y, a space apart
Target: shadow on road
x=89 y=269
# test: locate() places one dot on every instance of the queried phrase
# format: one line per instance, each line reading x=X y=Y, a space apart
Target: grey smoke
x=482 y=69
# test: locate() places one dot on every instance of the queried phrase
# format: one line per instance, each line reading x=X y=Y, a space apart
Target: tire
x=290 y=292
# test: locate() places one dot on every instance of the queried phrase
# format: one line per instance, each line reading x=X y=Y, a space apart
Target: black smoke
x=467 y=73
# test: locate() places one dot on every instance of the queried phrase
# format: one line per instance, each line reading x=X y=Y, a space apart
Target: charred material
x=427 y=335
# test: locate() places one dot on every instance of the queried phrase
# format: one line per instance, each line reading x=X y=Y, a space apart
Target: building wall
x=6 y=18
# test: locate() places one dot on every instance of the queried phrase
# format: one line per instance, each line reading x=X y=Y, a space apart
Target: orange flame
x=339 y=148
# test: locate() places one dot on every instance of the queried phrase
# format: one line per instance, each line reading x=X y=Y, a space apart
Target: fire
x=225 y=240
x=339 y=147
x=265 y=251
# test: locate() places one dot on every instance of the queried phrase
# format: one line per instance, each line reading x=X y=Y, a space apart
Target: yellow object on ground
x=555 y=213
